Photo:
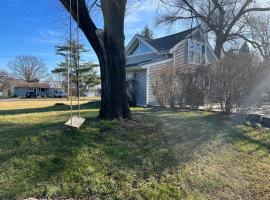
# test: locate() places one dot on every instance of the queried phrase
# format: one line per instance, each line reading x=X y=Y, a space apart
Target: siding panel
x=151 y=77
x=141 y=92
x=181 y=54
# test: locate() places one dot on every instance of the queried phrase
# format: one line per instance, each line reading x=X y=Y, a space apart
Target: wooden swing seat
x=75 y=122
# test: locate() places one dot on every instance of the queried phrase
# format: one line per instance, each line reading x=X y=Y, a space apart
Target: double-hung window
x=196 y=52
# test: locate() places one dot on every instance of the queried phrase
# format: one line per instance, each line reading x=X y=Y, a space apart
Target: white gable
x=138 y=46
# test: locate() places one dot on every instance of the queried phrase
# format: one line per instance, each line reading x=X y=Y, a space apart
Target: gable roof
x=23 y=84
x=168 y=42
x=162 y=43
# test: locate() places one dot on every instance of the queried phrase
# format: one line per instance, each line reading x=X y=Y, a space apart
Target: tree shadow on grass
x=103 y=156
x=36 y=156
x=91 y=105
x=41 y=155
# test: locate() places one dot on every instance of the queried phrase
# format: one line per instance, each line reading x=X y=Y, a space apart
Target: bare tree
x=28 y=68
x=258 y=34
x=225 y=19
x=109 y=47
x=3 y=80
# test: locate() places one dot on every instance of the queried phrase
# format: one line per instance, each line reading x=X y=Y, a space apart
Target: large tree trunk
x=115 y=100
x=219 y=44
x=110 y=50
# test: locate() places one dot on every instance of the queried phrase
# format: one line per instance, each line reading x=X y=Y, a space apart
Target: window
x=144 y=48
x=136 y=50
x=139 y=48
x=196 y=52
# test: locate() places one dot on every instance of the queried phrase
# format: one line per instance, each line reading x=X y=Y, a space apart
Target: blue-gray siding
x=153 y=70
x=141 y=87
x=140 y=77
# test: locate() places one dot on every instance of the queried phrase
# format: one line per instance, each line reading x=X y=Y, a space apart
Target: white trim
x=157 y=63
x=201 y=54
x=131 y=42
x=134 y=68
x=208 y=44
x=142 y=54
x=144 y=66
x=141 y=40
x=147 y=85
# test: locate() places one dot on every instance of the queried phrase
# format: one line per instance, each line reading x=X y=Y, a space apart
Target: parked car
x=31 y=95
x=59 y=94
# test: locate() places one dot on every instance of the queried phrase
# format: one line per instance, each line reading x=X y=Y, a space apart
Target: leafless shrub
x=192 y=82
x=186 y=87
x=235 y=83
x=165 y=86
x=231 y=80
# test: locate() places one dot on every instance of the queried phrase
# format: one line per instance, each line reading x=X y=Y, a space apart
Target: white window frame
x=140 y=50
x=202 y=56
x=139 y=47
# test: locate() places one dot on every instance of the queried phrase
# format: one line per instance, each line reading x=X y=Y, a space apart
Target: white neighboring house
x=93 y=91
x=145 y=56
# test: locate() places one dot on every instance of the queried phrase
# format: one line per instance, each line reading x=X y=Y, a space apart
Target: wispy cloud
x=141 y=13
x=47 y=37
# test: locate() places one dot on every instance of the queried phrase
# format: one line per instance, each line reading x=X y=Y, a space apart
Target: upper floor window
x=196 y=52
x=135 y=50
x=139 y=48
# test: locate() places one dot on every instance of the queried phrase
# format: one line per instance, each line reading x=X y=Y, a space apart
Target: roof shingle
x=168 y=42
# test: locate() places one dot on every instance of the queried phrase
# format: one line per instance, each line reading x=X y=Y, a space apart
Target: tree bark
x=218 y=47
x=115 y=104
x=110 y=50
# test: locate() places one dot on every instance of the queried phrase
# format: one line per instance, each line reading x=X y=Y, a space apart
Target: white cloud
x=139 y=15
x=48 y=37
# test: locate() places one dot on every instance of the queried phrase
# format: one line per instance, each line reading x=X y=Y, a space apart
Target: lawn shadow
x=103 y=153
x=90 y=105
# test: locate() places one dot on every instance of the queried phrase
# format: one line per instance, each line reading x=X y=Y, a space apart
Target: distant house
x=145 y=56
x=19 y=88
x=93 y=91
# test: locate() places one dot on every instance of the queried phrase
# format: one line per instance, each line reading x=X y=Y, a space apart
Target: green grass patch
x=160 y=154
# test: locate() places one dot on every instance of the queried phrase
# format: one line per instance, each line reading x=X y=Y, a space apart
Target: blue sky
x=34 y=27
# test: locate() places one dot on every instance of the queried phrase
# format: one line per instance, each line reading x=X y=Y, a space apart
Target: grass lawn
x=159 y=155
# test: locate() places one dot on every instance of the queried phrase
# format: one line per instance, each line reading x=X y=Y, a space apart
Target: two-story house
x=145 y=56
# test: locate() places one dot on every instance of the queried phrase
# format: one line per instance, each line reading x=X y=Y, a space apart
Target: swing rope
x=69 y=62
x=78 y=60
x=73 y=58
